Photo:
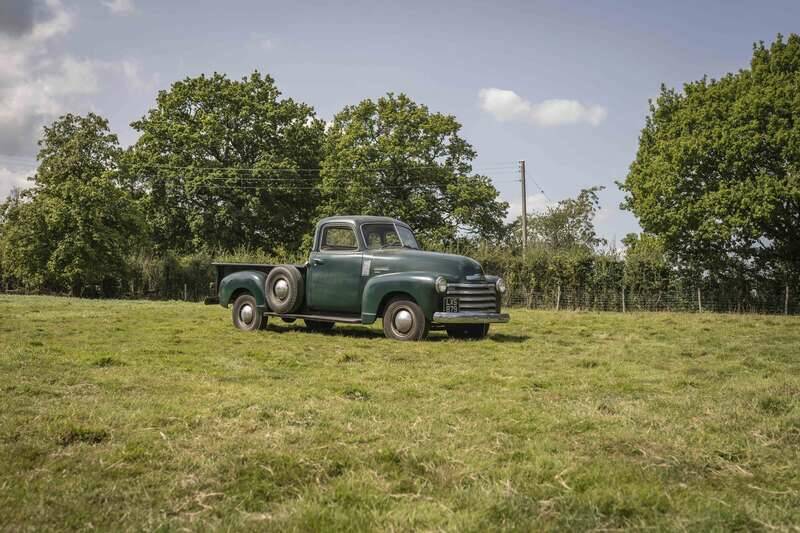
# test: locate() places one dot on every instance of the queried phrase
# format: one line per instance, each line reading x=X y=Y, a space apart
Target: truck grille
x=474 y=296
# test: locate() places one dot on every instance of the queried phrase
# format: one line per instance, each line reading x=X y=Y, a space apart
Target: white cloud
x=134 y=77
x=604 y=214
x=536 y=203
x=59 y=23
x=38 y=83
x=507 y=105
x=261 y=41
x=120 y=7
x=33 y=82
x=13 y=177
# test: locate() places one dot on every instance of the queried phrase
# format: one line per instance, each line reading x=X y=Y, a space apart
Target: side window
x=338 y=238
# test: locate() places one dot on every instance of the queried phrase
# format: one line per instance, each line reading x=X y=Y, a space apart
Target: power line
x=288 y=169
x=293 y=186
x=249 y=180
x=541 y=190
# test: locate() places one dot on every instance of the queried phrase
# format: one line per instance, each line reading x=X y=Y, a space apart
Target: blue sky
x=562 y=85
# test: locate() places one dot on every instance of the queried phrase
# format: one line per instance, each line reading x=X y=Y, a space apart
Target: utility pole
x=524 y=208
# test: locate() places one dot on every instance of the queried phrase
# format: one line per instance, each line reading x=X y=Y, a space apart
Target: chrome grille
x=474 y=296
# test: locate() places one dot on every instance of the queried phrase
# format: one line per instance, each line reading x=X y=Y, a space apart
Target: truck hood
x=453 y=267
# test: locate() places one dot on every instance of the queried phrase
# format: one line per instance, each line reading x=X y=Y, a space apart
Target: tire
x=401 y=314
x=284 y=289
x=318 y=325
x=246 y=315
x=468 y=331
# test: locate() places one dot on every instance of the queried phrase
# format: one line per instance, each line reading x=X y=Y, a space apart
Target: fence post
x=185 y=293
x=623 y=298
x=786 y=300
x=558 y=296
x=699 y=301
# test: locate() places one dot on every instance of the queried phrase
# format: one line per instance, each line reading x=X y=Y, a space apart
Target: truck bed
x=224 y=269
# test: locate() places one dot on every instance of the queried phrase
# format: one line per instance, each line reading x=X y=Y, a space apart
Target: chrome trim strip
x=471 y=317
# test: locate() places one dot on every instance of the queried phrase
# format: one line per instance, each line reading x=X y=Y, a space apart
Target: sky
x=563 y=85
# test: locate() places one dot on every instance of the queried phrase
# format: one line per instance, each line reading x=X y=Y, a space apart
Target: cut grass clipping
x=160 y=415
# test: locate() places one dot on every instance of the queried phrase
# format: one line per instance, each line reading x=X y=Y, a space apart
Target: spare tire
x=284 y=289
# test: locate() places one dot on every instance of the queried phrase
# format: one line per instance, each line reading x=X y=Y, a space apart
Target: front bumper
x=471 y=317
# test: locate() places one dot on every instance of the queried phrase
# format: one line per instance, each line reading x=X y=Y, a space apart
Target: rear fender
x=418 y=285
x=250 y=280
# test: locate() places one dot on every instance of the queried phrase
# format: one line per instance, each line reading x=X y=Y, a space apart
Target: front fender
x=419 y=285
x=250 y=280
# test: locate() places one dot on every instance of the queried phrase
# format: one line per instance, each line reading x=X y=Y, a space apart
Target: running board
x=347 y=319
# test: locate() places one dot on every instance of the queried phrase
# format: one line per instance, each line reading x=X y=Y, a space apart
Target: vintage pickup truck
x=362 y=268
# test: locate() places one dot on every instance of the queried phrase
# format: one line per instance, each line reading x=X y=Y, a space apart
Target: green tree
x=567 y=225
x=222 y=164
x=717 y=173
x=394 y=157
x=76 y=225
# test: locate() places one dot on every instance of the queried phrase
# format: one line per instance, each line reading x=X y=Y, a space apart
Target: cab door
x=335 y=271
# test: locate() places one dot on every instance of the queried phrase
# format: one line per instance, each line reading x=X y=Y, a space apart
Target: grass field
x=138 y=415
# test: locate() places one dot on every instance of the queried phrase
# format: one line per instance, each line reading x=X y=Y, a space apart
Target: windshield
x=378 y=236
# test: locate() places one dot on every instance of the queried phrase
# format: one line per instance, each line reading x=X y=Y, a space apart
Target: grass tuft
x=355 y=393
x=104 y=362
x=82 y=435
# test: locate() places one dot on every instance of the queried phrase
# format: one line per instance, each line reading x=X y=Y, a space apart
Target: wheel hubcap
x=281 y=289
x=403 y=321
x=246 y=313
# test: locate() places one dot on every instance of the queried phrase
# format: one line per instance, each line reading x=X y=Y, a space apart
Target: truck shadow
x=502 y=337
x=369 y=333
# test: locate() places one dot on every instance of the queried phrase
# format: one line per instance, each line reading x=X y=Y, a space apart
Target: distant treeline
x=576 y=279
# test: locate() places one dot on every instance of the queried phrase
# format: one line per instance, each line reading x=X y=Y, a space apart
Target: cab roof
x=361 y=219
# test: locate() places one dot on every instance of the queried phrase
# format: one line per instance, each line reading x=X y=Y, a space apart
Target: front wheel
x=246 y=315
x=403 y=320
x=467 y=331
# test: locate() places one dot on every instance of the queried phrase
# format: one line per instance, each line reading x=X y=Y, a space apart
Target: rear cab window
x=337 y=239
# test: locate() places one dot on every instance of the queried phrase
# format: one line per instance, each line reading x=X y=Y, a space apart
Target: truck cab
x=361 y=269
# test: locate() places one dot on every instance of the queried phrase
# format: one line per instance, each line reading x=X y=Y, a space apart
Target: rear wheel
x=403 y=320
x=318 y=325
x=246 y=315
x=468 y=331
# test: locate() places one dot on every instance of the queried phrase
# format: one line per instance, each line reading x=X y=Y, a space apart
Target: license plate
x=450 y=304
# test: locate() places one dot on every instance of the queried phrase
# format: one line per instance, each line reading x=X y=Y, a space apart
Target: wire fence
x=686 y=299
x=614 y=299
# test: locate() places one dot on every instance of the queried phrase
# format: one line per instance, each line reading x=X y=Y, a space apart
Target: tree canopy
x=223 y=163
x=394 y=157
x=717 y=173
x=76 y=225
x=569 y=224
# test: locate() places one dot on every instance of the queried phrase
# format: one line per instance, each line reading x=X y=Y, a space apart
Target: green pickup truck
x=360 y=269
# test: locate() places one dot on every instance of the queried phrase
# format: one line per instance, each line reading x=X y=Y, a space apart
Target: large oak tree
x=396 y=158
x=76 y=225
x=717 y=173
x=222 y=163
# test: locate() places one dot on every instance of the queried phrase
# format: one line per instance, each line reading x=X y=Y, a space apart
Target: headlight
x=441 y=285
x=501 y=286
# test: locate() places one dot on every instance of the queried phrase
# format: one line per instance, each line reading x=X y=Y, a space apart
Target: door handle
x=317 y=261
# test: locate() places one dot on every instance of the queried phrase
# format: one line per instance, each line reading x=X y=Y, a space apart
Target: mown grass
x=136 y=415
